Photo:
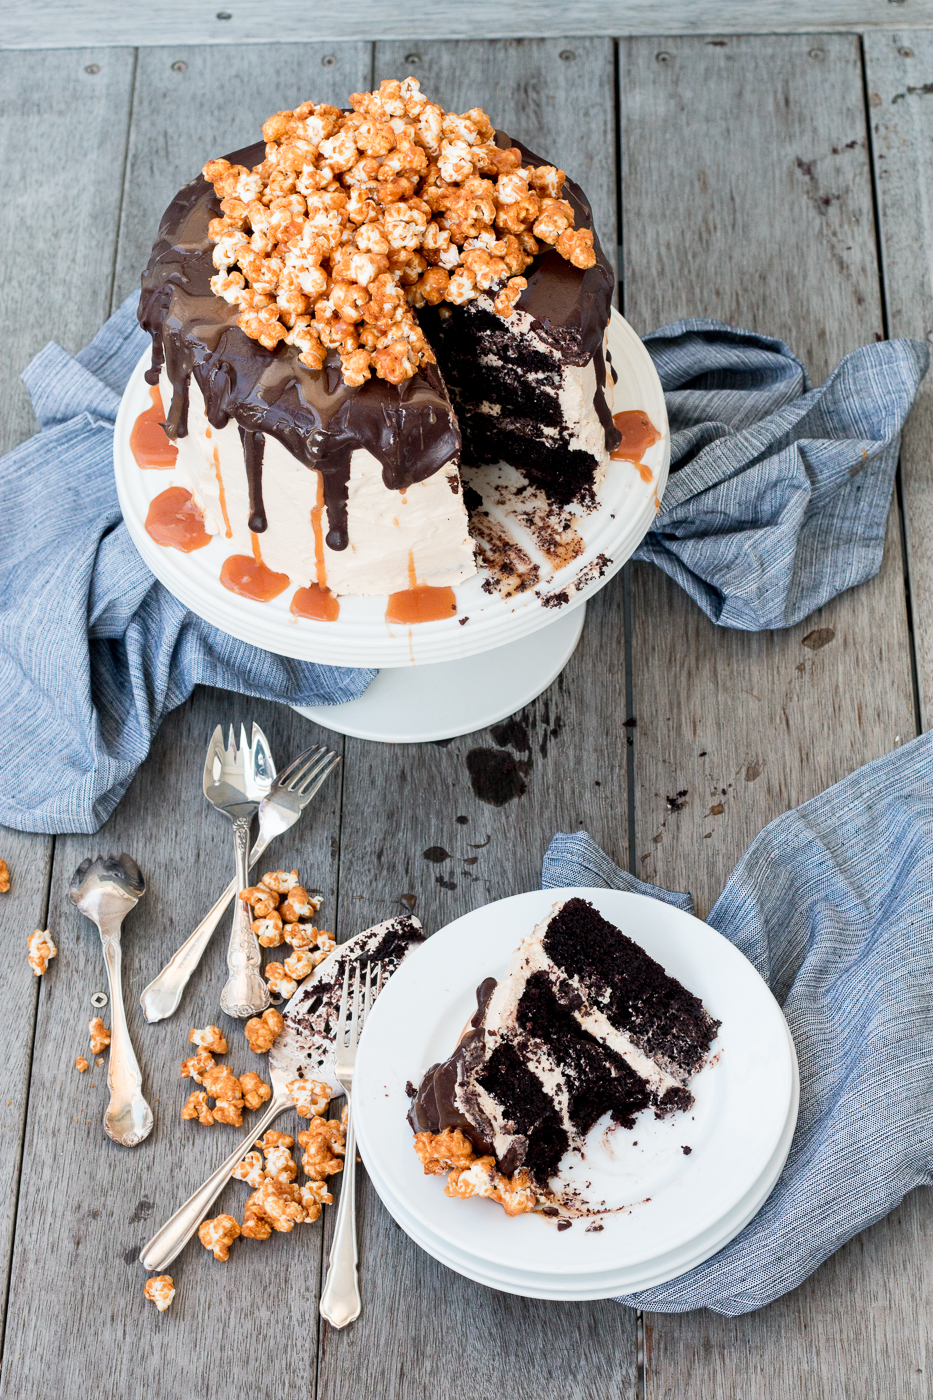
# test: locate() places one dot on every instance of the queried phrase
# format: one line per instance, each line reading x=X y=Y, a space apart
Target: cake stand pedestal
x=421 y=704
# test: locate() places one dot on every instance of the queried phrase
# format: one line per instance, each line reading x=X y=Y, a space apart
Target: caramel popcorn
x=354 y=219
x=196 y=1106
x=160 y=1290
x=100 y=1036
x=299 y=905
x=312 y=1196
x=269 y=930
x=4 y=877
x=515 y=1194
x=273 y=1138
x=196 y=1066
x=41 y=950
x=310 y=1096
x=440 y=1152
x=280 y=984
x=261 y=900
x=255 y=1091
x=324 y=1142
x=226 y=1111
x=274 y=1203
x=250 y=1170
x=211 y=1038
x=281 y=881
x=218 y=1235
x=81 y=1064
x=300 y=964
x=280 y=1164
x=261 y=1031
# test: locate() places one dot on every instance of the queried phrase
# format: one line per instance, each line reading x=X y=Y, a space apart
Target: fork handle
x=162 y=996
x=246 y=994
x=341 y=1302
x=168 y=1242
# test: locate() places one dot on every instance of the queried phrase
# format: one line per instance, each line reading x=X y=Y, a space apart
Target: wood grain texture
x=60 y=23
x=57 y=254
x=766 y=243
x=109 y=1200
x=771 y=171
x=190 y=104
x=418 y=831
x=898 y=73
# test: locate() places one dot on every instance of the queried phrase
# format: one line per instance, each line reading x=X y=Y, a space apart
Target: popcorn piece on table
x=218 y=1235
x=196 y=1106
x=280 y=1164
x=280 y=984
x=300 y=935
x=255 y=1090
x=275 y=1139
x=324 y=1143
x=269 y=931
x=516 y=1195
x=221 y=1083
x=299 y=964
x=4 y=877
x=277 y=1203
x=81 y=1064
x=41 y=950
x=210 y=1038
x=226 y=1112
x=196 y=1066
x=310 y=1096
x=261 y=900
x=261 y=1031
x=440 y=1152
x=299 y=905
x=160 y=1290
x=250 y=1170
x=313 y=1196
x=100 y=1036
x=280 y=881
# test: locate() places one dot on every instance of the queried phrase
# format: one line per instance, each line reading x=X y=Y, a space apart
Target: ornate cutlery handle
x=341 y=1302
x=128 y=1118
x=245 y=994
x=168 y=1242
x=161 y=997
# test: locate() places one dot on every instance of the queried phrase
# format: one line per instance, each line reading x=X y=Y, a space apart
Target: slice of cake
x=583 y=1023
x=294 y=298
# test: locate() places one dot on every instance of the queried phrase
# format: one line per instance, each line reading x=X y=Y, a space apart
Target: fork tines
x=351 y=1020
x=314 y=764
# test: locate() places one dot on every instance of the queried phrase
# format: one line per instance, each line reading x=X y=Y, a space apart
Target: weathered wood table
x=780 y=183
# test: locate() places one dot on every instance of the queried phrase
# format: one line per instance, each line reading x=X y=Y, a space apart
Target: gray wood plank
x=59 y=23
x=56 y=250
x=117 y=1197
x=81 y=1256
x=401 y=803
x=725 y=221
x=898 y=71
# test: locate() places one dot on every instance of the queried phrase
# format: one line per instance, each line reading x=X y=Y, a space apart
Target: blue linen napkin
x=778 y=501
x=779 y=493
x=831 y=903
x=93 y=651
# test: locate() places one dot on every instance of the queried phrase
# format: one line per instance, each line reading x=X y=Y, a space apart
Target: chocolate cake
x=308 y=300
x=584 y=1023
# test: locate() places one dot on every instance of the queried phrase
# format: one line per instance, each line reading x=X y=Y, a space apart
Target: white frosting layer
x=391 y=533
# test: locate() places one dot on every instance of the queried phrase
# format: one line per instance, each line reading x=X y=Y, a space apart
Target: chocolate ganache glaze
x=411 y=428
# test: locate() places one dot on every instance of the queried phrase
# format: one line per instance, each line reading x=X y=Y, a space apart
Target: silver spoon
x=105 y=890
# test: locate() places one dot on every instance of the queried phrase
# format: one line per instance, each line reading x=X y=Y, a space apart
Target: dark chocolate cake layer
x=584 y=1023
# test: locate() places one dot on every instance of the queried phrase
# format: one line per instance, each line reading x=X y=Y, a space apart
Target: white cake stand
x=437 y=679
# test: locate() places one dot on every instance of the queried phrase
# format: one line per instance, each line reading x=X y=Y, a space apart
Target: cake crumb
x=686 y=1151
x=81 y=1064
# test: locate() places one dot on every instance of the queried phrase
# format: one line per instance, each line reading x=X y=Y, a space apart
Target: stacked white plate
x=666 y=1209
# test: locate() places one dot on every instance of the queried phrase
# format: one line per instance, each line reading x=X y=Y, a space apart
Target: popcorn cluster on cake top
x=354 y=219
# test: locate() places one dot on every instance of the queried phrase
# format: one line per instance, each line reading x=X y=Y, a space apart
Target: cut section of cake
x=294 y=297
x=584 y=1023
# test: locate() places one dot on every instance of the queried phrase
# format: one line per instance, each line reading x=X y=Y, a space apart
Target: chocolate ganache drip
x=253 y=446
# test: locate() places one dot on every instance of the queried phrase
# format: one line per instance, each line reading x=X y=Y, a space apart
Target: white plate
x=361 y=636
x=742 y=1099
x=613 y=1282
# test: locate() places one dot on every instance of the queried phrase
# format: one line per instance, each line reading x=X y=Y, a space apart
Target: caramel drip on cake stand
x=420 y=602
x=174 y=519
x=149 y=443
x=251 y=578
x=638 y=434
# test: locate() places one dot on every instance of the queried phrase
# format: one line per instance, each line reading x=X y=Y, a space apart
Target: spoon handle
x=245 y=994
x=167 y=1243
x=128 y=1118
x=160 y=999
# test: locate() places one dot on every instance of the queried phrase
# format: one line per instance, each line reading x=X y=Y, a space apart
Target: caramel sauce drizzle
x=250 y=577
x=149 y=442
x=223 y=495
x=315 y=602
x=420 y=602
x=174 y=520
x=317 y=525
x=638 y=434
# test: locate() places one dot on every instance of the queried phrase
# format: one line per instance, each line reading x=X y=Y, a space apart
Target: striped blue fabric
x=779 y=493
x=777 y=502
x=93 y=651
x=832 y=904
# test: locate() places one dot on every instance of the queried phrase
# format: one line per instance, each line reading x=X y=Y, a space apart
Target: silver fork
x=340 y=1300
x=235 y=782
x=290 y=793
